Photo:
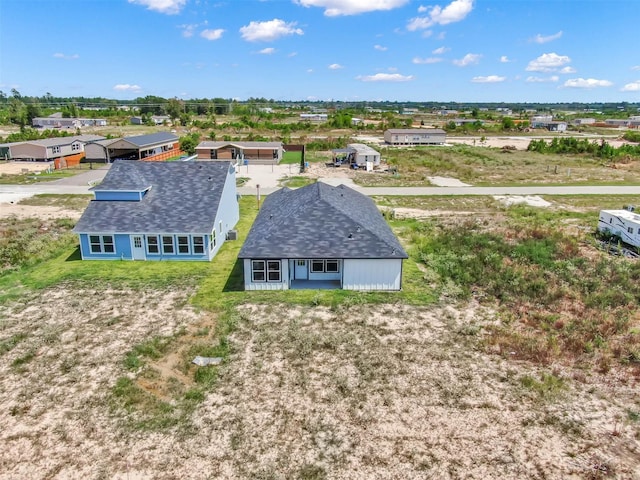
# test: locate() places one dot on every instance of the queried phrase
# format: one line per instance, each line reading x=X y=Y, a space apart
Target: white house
x=320 y=236
x=415 y=136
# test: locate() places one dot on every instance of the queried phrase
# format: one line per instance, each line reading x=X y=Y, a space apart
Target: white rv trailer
x=622 y=223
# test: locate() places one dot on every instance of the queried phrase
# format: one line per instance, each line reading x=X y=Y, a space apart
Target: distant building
x=583 y=121
x=314 y=117
x=415 y=136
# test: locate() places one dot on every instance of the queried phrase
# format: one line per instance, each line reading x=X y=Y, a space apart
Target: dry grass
x=308 y=392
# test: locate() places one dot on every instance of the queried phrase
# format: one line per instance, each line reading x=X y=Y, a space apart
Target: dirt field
x=16 y=168
x=309 y=392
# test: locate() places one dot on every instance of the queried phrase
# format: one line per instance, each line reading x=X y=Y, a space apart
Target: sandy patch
x=359 y=392
x=447 y=182
x=28 y=211
x=531 y=200
x=17 y=168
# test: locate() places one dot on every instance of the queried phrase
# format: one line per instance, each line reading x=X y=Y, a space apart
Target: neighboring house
x=583 y=121
x=63 y=151
x=415 y=136
x=155 y=119
x=160 y=211
x=56 y=120
x=154 y=147
x=557 y=126
x=357 y=154
x=98 y=151
x=253 y=152
x=617 y=122
x=467 y=121
x=314 y=117
x=621 y=223
x=320 y=236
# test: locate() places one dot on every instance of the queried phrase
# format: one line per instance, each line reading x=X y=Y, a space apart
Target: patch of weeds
x=22 y=360
x=153 y=348
x=147 y=411
x=312 y=472
x=11 y=342
x=633 y=416
x=548 y=387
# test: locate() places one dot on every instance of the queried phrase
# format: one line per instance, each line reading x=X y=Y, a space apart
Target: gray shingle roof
x=184 y=198
x=320 y=221
x=152 y=139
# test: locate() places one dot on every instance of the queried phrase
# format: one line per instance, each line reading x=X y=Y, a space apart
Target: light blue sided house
x=160 y=211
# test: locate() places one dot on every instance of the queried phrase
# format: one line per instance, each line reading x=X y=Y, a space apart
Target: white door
x=137 y=247
x=301 y=271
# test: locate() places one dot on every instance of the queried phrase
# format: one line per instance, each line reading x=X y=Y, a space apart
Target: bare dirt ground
x=17 y=168
x=367 y=392
x=41 y=211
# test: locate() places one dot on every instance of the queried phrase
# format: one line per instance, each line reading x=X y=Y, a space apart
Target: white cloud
x=635 y=68
x=380 y=48
x=125 y=87
x=188 y=29
x=426 y=61
x=548 y=62
x=75 y=56
x=631 y=87
x=334 y=8
x=335 y=66
x=170 y=7
x=267 y=51
x=488 y=79
x=454 y=12
x=468 y=59
x=587 y=83
x=269 y=31
x=440 y=51
x=292 y=54
x=212 y=34
x=552 y=78
x=566 y=70
x=545 y=39
x=386 y=77
x=504 y=59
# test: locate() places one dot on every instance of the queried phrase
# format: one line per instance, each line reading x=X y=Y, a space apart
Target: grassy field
x=513 y=351
x=492 y=166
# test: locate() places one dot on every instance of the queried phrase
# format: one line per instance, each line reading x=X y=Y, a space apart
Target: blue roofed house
x=320 y=236
x=160 y=211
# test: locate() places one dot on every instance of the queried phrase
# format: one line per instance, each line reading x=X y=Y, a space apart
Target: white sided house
x=320 y=236
x=415 y=136
x=621 y=223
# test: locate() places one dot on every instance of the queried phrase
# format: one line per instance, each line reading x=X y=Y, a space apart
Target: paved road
x=80 y=184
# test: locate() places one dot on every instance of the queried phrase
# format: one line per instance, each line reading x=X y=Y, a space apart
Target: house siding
x=372 y=274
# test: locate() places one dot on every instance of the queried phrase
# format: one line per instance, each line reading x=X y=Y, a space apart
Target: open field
x=527 y=366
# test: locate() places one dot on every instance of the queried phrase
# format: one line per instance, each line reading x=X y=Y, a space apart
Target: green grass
x=297 y=181
x=69 y=202
x=291 y=158
x=483 y=166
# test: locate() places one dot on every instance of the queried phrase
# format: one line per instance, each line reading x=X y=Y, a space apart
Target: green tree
x=189 y=142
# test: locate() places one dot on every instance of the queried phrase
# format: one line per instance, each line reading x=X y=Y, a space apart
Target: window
x=212 y=239
x=198 y=245
x=220 y=226
x=101 y=244
x=630 y=229
x=273 y=271
x=213 y=155
x=55 y=149
x=183 y=245
x=167 y=244
x=325 y=266
x=152 y=244
x=266 y=271
x=137 y=242
x=302 y=263
x=75 y=147
x=257 y=270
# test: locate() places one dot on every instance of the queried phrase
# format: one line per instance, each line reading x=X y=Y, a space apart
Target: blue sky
x=347 y=50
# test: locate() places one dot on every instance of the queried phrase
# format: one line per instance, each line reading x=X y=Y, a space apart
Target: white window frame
x=75 y=146
x=197 y=248
x=269 y=270
x=155 y=245
x=102 y=244
x=324 y=263
x=187 y=243
x=212 y=240
x=55 y=149
x=166 y=246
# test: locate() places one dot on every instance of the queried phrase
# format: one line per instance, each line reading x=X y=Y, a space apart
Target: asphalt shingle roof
x=320 y=221
x=152 y=139
x=183 y=197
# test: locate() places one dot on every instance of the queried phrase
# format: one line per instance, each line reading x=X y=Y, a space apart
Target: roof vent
x=358 y=229
x=209 y=178
x=393 y=252
x=351 y=236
